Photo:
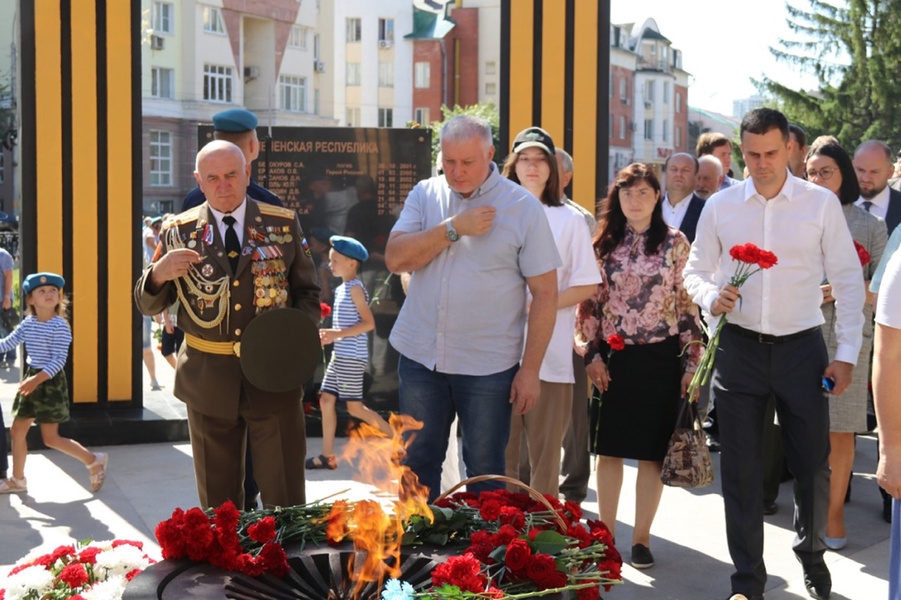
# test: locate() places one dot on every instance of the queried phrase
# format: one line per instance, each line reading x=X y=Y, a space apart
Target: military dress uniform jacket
x=274 y=270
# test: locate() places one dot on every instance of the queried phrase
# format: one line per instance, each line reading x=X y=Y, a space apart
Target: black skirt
x=636 y=416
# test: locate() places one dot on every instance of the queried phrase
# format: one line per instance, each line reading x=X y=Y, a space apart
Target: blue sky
x=724 y=43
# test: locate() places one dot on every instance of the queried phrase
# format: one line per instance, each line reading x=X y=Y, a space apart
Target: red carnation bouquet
x=750 y=259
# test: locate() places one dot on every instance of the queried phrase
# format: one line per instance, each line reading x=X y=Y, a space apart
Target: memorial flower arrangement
x=86 y=571
x=511 y=545
x=750 y=259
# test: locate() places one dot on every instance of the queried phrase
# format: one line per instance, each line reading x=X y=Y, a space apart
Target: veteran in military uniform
x=228 y=261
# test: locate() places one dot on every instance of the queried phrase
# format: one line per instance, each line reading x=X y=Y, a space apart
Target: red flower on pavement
x=263 y=530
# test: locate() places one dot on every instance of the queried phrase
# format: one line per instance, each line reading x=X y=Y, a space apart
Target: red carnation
x=517 y=555
x=552 y=581
x=540 y=566
x=505 y=535
x=590 y=593
x=862 y=254
x=616 y=342
x=510 y=515
x=89 y=555
x=274 y=559
x=74 y=575
x=766 y=259
x=324 y=310
x=263 y=530
x=461 y=571
x=60 y=552
x=490 y=510
x=132 y=574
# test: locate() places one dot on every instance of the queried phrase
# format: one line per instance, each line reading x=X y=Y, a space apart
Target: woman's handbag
x=687 y=462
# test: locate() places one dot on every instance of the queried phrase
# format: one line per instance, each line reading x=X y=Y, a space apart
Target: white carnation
x=26 y=582
x=120 y=561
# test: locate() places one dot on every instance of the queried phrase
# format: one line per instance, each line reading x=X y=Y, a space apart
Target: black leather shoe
x=746 y=597
x=818 y=581
x=770 y=507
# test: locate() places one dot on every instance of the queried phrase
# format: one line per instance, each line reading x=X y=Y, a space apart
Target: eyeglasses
x=825 y=173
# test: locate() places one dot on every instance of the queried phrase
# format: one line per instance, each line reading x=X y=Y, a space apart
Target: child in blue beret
x=43 y=395
x=351 y=320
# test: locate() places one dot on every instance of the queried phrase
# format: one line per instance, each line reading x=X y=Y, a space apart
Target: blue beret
x=349 y=247
x=36 y=280
x=235 y=120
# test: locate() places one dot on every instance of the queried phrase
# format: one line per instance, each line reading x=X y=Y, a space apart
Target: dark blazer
x=209 y=383
x=893 y=214
x=689 y=223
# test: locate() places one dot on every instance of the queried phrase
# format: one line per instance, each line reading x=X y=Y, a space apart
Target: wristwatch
x=452 y=234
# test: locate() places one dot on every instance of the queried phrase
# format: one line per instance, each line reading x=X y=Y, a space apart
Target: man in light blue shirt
x=474 y=242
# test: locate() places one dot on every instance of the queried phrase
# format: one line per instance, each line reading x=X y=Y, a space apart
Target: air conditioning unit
x=385 y=43
x=251 y=72
x=648 y=104
x=625 y=101
x=319 y=66
x=157 y=42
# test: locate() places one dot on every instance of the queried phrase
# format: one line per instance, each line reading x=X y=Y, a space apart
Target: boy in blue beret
x=351 y=320
x=43 y=395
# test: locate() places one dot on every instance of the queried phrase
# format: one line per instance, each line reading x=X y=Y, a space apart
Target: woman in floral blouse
x=642 y=301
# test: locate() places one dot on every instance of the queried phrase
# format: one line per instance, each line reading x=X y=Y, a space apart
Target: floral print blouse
x=641 y=298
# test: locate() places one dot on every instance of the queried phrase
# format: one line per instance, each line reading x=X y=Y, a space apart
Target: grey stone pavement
x=147 y=481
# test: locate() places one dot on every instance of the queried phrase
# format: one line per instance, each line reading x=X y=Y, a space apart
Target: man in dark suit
x=681 y=206
x=227 y=261
x=874 y=167
x=239 y=127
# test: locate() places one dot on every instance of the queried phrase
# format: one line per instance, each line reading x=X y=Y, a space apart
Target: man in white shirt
x=772 y=342
x=681 y=207
x=873 y=165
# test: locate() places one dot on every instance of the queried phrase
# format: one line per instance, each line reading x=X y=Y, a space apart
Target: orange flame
x=377 y=535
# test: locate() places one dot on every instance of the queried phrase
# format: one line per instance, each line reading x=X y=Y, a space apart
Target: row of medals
x=269 y=283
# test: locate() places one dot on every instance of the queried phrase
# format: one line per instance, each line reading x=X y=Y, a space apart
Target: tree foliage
x=486 y=111
x=853 y=48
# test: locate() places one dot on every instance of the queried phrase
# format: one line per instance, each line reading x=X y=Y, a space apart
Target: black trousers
x=746 y=373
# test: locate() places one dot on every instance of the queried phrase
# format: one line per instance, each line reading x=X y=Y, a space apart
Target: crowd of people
x=516 y=300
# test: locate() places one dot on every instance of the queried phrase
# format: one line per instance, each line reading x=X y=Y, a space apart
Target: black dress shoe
x=770 y=507
x=818 y=581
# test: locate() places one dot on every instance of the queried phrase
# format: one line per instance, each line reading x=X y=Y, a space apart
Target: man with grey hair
x=710 y=176
x=475 y=243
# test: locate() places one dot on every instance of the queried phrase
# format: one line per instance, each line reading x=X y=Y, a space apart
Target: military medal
x=207 y=270
x=192 y=243
x=208 y=235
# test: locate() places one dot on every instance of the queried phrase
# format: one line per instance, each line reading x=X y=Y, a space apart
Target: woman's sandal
x=322 y=462
x=101 y=460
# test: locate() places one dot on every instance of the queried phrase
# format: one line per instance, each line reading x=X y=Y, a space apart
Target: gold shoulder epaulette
x=270 y=210
x=189 y=216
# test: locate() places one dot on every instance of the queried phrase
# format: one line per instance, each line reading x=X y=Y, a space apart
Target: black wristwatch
x=452 y=234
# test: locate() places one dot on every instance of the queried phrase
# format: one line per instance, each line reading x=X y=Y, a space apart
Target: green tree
x=853 y=48
x=486 y=111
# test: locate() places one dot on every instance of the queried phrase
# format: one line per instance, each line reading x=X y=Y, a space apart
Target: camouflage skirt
x=48 y=403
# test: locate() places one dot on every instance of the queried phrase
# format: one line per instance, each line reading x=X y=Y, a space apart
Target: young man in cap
x=239 y=127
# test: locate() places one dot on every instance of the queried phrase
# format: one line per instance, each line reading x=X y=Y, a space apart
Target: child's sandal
x=100 y=463
x=322 y=462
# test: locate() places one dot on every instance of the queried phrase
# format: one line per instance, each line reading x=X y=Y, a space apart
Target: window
x=678 y=102
x=162 y=83
x=609 y=125
x=421 y=116
x=666 y=92
x=217 y=83
x=623 y=91
x=212 y=20
x=490 y=67
x=354 y=74
x=665 y=130
x=162 y=18
x=386 y=74
x=316 y=102
x=298 y=37
x=649 y=129
x=421 y=75
x=354 y=28
x=316 y=46
x=352 y=117
x=160 y=158
x=386 y=117
x=649 y=91
x=293 y=93
x=622 y=127
x=490 y=88
x=167 y=206
x=678 y=136
x=610 y=83
x=386 y=30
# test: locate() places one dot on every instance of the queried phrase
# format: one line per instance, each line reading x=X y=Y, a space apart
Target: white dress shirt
x=673 y=215
x=804 y=226
x=238 y=215
x=880 y=203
